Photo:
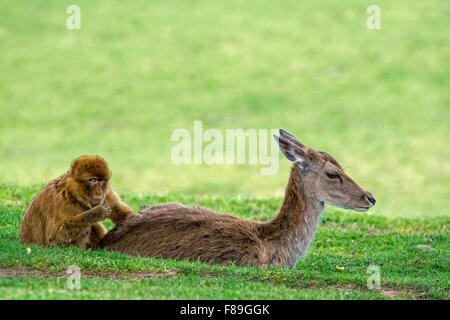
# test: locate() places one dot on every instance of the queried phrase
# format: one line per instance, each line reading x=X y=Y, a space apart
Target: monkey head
x=88 y=180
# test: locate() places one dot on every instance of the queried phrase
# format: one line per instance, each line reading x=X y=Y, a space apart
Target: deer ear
x=290 y=150
x=291 y=138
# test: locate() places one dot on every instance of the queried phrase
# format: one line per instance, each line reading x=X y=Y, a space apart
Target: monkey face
x=96 y=190
x=90 y=177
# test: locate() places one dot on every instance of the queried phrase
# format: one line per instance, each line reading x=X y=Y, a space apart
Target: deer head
x=323 y=177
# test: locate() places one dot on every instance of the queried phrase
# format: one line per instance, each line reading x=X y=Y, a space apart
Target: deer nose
x=371 y=198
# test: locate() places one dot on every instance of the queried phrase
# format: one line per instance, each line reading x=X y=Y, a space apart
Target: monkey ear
x=73 y=166
x=291 y=150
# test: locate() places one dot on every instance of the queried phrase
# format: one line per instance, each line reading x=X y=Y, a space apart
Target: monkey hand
x=96 y=214
x=107 y=210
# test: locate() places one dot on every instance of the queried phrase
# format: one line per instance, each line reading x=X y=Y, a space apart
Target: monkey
x=69 y=209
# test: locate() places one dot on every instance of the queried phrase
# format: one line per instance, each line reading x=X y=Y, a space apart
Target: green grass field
x=335 y=266
x=377 y=100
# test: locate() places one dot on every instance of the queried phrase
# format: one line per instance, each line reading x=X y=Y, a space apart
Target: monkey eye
x=93 y=180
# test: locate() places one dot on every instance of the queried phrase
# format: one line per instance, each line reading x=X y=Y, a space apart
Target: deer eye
x=333 y=175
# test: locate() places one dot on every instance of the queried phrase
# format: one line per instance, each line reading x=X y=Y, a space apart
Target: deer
x=173 y=231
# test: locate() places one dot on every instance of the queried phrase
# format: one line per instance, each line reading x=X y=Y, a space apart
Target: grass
x=347 y=240
x=136 y=71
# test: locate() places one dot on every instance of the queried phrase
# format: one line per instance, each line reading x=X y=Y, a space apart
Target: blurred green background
x=377 y=100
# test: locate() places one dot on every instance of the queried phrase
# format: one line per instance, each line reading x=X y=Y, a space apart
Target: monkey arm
x=119 y=210
x=72 y=227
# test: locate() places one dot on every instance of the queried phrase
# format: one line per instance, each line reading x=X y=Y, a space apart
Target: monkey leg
x=98 y=231
x=69 y=229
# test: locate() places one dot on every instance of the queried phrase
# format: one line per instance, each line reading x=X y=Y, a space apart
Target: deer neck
x=292 y=230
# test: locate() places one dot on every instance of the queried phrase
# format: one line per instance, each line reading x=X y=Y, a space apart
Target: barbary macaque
x=70 y=208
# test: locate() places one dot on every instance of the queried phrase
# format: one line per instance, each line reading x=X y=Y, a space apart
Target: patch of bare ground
x=390 y=293
x=14 y=272
x=386 y=291
x=21 y=272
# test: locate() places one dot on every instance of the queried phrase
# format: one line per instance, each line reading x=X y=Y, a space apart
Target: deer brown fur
x=70 y=208
x=173 y=231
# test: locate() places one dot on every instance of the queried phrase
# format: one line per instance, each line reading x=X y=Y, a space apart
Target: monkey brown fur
x=70 y=208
